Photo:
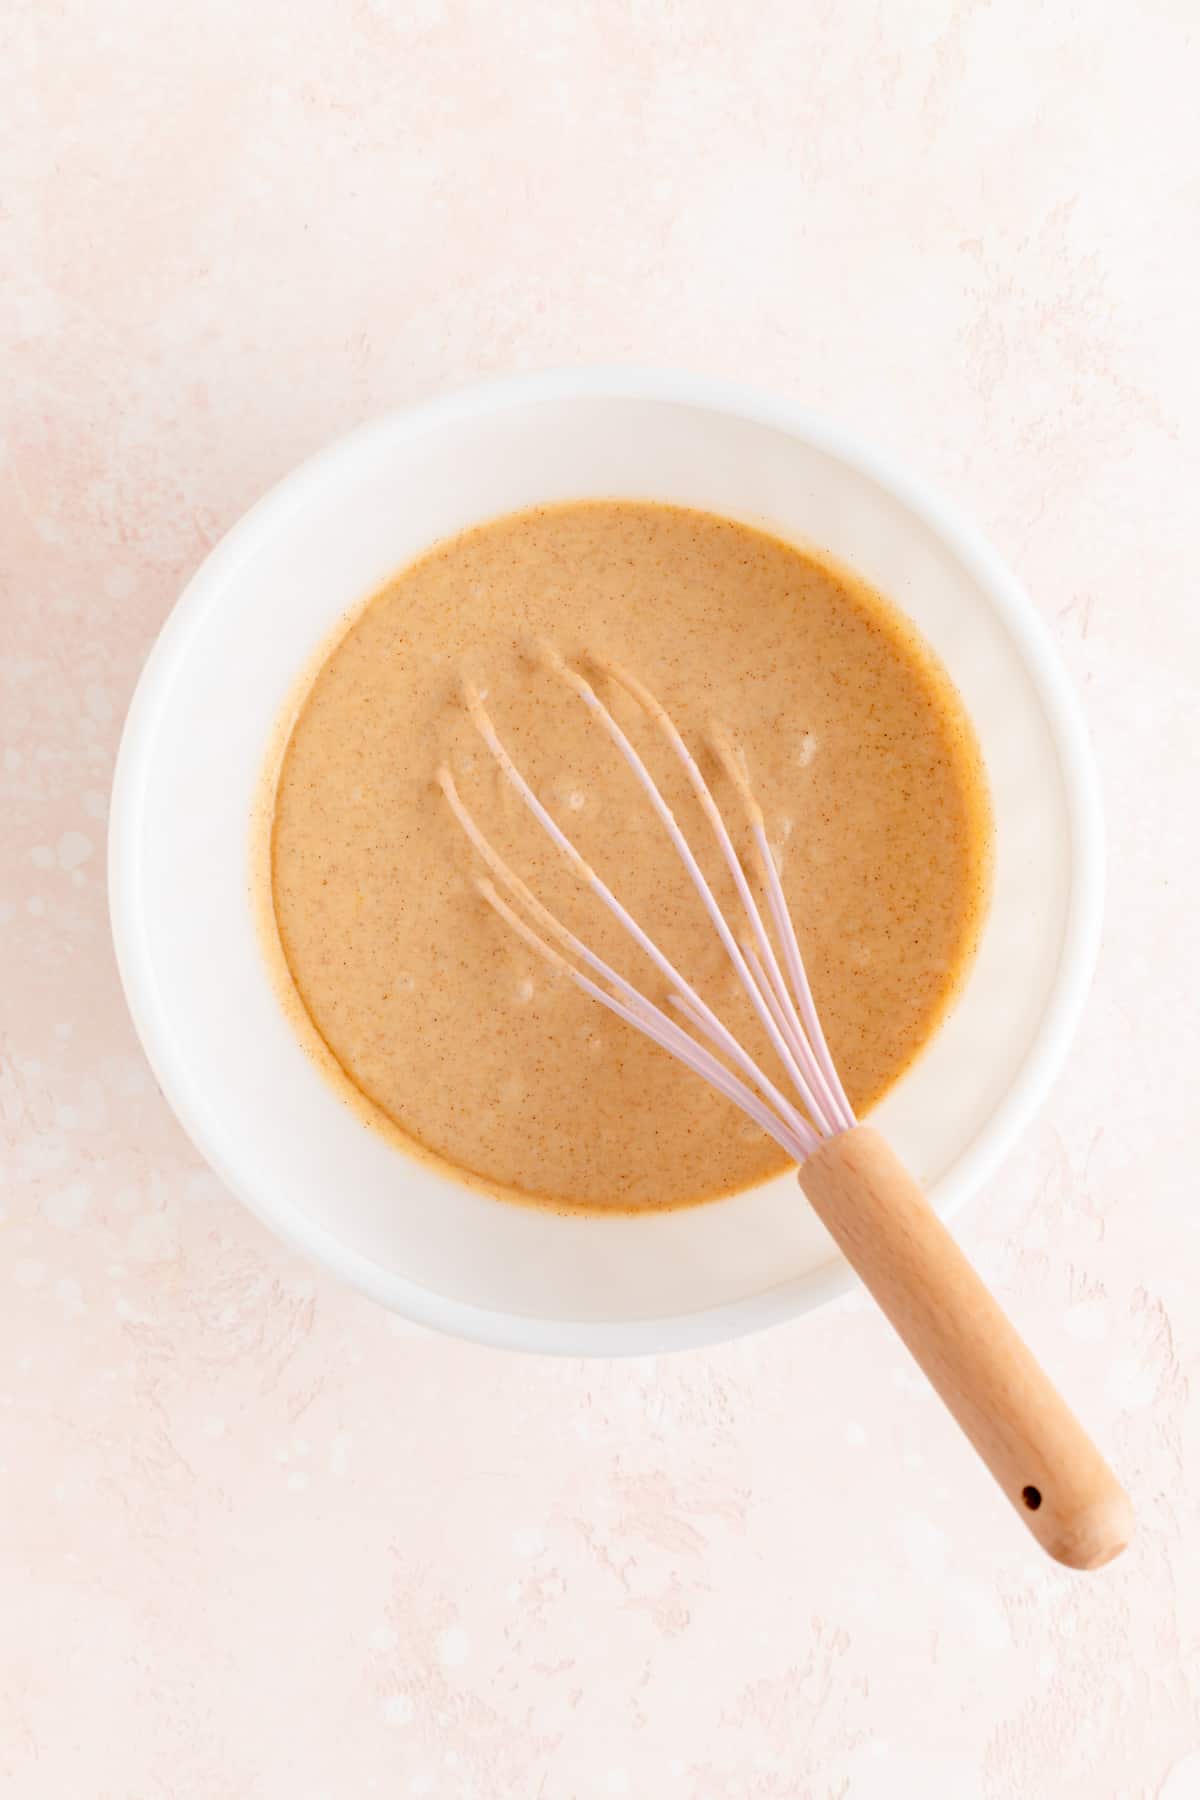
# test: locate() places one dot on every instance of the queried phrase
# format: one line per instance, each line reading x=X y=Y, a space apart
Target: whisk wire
x=707 y=1019
x=786 y=1012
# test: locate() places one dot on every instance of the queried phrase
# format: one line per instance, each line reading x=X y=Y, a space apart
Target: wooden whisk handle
x=1029 y=1438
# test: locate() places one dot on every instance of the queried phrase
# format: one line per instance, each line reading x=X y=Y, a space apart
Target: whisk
x=1043 y=1460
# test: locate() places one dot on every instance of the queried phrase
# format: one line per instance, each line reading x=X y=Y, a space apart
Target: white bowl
x=179 y=854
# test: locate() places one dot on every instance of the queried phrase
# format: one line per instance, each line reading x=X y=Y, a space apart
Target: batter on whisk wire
x=449 y=1025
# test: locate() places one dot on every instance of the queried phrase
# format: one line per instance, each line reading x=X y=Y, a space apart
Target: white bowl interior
x=190 y=954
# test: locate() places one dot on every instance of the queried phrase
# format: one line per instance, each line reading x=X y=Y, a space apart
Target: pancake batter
x=857 y=747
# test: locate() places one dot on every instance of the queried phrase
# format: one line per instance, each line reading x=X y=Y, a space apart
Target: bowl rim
x=1033 y=641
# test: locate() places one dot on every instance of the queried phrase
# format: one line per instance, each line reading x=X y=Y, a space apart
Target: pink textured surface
x=258 y=1542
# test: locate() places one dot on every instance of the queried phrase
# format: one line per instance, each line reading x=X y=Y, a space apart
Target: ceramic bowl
x=201 y=724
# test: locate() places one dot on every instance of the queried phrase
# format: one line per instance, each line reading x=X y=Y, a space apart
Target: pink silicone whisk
x=1038 y=1452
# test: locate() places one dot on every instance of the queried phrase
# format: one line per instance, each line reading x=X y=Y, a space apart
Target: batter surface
x=855 y=742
